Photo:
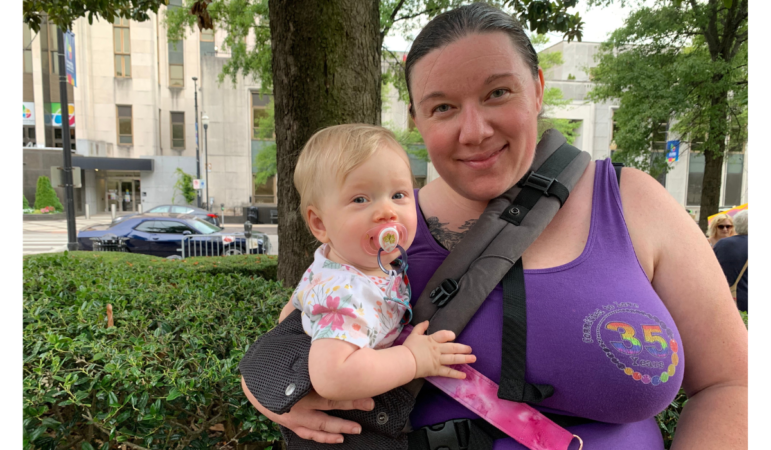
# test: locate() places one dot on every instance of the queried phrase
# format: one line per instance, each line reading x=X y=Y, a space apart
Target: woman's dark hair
x=451 y=26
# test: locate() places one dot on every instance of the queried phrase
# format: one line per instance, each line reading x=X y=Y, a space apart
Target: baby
x=356 y=197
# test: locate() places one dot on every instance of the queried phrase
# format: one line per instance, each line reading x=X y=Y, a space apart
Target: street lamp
x=205 y=120
x=197 y=158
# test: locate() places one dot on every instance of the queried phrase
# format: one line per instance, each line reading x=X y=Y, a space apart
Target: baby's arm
x=340 y=370
x=288 y=308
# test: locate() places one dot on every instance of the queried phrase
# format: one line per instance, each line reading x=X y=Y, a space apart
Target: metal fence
x=220 y=245
x=195 y=245
x=109 y=243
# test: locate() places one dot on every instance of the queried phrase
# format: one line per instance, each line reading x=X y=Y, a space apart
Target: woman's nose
x=474 y=127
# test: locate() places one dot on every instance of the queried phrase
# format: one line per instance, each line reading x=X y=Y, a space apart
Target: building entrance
x=124 y=193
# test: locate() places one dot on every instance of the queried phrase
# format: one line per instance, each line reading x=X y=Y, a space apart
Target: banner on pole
x=673 y=151
x=69 y=57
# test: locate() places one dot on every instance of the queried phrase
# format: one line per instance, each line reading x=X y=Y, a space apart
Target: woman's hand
x=307 y=420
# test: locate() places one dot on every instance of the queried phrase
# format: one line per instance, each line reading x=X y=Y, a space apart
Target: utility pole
x=197 y=157
x=72 y=240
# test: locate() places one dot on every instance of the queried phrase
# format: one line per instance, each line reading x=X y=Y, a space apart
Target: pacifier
x=387 y=236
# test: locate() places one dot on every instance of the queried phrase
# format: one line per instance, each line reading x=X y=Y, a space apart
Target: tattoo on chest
x=443 y=235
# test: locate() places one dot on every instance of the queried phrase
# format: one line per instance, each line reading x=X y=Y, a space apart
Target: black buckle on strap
x=444 y=292
x=444 y=436
x=537 y=182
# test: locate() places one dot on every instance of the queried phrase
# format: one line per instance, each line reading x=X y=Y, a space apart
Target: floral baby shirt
x=338 y=301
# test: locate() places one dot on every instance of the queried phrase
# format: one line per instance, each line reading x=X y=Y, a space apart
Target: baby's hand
x=435 y=352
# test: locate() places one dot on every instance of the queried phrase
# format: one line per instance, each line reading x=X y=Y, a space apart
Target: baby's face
x=376 y=192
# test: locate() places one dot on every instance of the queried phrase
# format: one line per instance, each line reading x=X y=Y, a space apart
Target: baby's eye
x=398 y=196
x=359 y=200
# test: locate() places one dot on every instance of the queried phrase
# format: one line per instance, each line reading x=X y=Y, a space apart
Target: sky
x=598 y=23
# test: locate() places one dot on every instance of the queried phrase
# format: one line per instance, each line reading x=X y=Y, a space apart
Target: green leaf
x=173 y=394
x=86 y=446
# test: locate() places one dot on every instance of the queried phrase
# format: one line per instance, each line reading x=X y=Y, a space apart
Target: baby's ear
x=316 y=224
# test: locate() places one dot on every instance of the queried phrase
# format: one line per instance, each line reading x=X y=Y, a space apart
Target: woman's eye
x=442 y=108
x=498 y=93
x=359 y=200
x=399 y=196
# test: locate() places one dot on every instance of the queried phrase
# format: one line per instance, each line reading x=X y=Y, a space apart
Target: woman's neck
x=448 y=215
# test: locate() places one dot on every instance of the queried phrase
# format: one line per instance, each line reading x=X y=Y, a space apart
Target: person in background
x=722 y=226
x=732 y=254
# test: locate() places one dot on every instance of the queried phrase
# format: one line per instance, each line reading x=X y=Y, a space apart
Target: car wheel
x=232 y=251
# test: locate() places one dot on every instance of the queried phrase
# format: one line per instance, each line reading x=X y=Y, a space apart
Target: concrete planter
x=43 y=217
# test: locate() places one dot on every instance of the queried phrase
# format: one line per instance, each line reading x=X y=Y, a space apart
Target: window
x=121 y=37
x=177 y=130
x=170 y=227
x=159 y=209
x=27 y=49
x=29 y=135
x=181 y=209
x=125 y=126
x=150 y=226
x=259 y=112
x=695 y=177
x=207 y=35
x=733 y=179
x=176 y=64
x=59 y=139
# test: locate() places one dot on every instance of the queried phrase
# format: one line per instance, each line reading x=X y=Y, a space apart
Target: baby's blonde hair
x=334 y=152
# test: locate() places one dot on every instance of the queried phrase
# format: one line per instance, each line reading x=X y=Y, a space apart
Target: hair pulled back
x=458 y=23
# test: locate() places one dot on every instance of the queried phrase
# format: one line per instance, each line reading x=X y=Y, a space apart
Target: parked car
x=177 y=209
x=168 y=235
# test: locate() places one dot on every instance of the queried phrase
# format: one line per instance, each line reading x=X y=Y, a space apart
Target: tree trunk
x=714 y=153
x=326 y=71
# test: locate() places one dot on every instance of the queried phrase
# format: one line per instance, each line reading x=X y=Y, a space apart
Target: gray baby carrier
x=275 y=367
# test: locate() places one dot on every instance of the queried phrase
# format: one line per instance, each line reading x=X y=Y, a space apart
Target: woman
x=476 y=91
x=722 y=226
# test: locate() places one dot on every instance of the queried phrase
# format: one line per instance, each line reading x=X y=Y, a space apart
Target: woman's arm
x=686 y=275
x=341 y=370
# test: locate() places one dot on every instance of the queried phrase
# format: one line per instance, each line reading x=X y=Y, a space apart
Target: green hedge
x=26 y=203
x=166 y=375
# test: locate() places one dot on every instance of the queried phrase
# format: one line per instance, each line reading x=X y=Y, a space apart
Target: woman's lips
x=484 y=162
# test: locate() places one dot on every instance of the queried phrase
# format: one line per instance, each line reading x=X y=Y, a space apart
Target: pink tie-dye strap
x=479 y=394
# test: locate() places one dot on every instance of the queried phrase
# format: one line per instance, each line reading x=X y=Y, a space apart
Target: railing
x=221 y=245
x=109 y=243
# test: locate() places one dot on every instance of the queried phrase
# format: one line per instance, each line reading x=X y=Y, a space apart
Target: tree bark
x=714 y=154
x=326 y=71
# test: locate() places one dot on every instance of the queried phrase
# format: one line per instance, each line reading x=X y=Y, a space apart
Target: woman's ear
x=316 y=224
x=539 y=89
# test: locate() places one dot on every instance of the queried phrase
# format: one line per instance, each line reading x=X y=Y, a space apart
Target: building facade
x=133 y=113
x=595 y=134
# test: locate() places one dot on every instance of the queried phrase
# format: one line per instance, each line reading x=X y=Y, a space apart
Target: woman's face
x=724 y=229
x=476 y=106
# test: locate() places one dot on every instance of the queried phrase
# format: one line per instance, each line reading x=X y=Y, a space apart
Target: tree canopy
x=63 y=13
x=684 y=63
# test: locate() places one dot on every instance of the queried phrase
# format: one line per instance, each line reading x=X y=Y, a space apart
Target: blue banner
x=69 y=57
x=673 y=151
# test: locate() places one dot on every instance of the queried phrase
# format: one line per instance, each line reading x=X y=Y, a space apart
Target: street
x=51 y=236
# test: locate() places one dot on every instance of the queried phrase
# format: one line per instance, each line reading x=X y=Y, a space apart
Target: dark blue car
x=167 y=235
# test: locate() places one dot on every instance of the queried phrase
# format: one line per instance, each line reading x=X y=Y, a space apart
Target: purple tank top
x=596 y=331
